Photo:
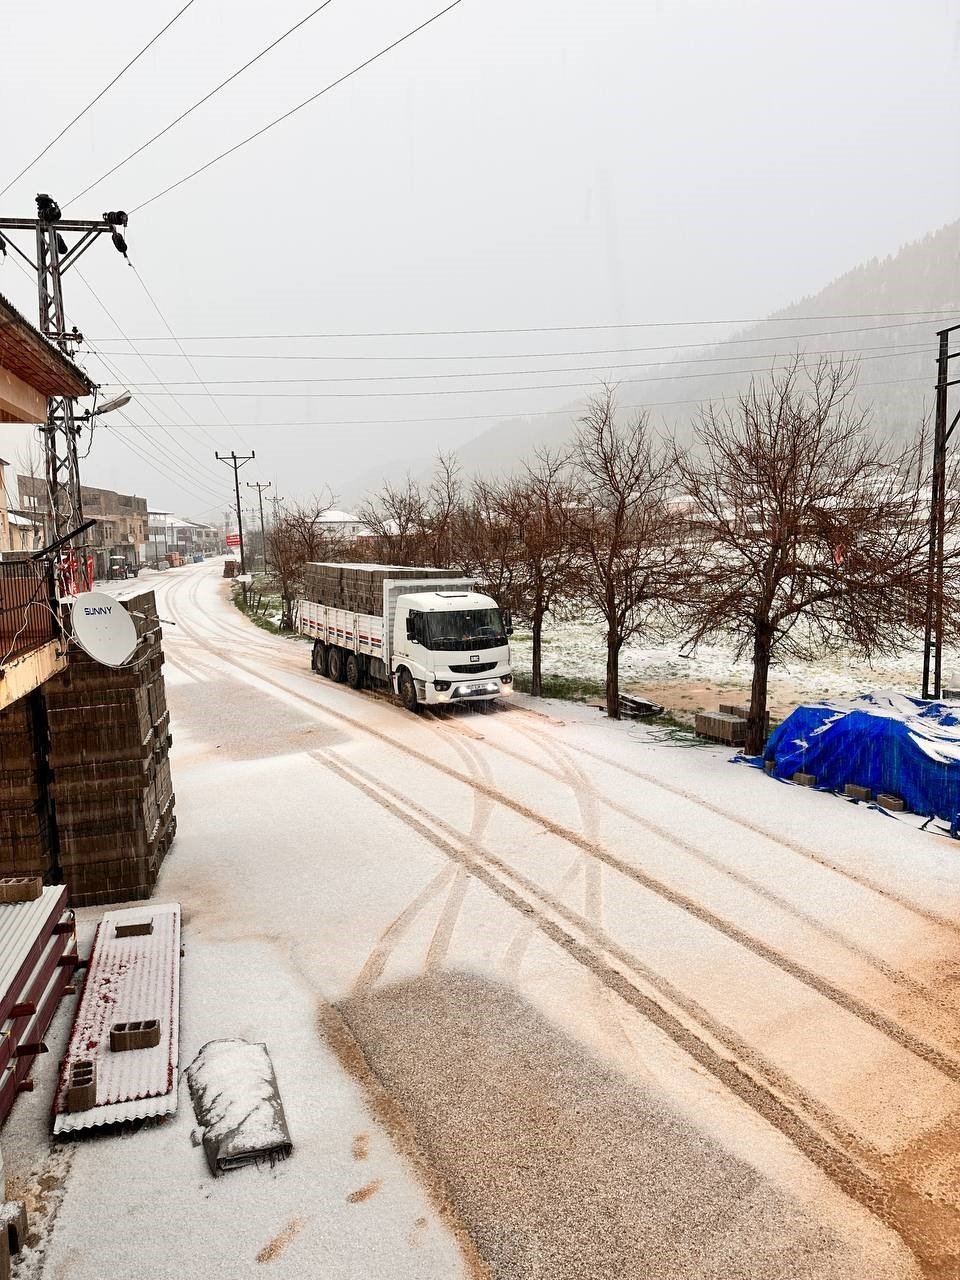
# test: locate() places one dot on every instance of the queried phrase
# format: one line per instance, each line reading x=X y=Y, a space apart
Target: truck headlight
x=441 y=686
x=507 y=679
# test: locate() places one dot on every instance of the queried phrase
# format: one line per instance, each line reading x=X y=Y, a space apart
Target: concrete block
x=125 y=1036
x=805 y=779
x=855 y=792
x=20 y=888
x=82 y=1089
x=888 y=801
x=135 y=929
x=721 y=728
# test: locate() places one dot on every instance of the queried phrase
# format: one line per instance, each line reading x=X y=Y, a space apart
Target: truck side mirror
x=411 y=627
x=507 y=622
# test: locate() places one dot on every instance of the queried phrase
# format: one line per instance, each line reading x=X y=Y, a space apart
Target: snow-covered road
x=546 y=998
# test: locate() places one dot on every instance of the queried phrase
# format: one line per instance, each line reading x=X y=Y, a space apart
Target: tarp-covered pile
x=885 y=741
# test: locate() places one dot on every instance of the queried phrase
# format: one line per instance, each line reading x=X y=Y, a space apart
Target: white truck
x=425 y=633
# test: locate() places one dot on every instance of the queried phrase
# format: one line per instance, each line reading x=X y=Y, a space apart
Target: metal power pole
x=255 y=484
x=54 y=257
x=232 y=460
x=933 y=619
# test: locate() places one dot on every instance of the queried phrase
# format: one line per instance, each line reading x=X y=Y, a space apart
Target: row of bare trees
x=787 y=527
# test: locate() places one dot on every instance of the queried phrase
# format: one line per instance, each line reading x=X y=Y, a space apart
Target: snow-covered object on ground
x=237 y=1104
x=885 y=741
x=132 y=977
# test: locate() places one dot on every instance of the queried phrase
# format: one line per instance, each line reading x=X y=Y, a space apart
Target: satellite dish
x=103 y=628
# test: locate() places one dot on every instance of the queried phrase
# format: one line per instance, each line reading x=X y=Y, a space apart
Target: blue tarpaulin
x=885 y=741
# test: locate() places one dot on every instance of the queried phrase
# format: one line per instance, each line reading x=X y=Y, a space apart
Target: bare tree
x=294 y=539
x=540 y=507
x=395 y=517
x=626 y=527
x=812 y=533
x=441 y=511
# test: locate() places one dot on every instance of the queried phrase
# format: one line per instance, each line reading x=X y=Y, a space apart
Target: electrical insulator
x=119 y=243
x=47 y=208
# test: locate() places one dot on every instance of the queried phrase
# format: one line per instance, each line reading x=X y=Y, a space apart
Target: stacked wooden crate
x=112 y=793
x=358 y=588
x=25 y=831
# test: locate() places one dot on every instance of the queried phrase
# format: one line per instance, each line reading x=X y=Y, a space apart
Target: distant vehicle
x=424 y=633
x=120 y=568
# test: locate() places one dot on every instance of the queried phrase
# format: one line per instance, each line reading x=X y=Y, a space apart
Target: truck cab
x=453 y=646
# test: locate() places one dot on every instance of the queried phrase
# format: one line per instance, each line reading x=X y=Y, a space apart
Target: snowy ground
x=546 y=997
x=689 y=684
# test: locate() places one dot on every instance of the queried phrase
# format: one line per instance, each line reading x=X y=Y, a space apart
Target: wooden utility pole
x=235 y=461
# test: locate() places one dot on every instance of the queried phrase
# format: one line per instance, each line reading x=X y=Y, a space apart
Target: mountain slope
x=895 y=351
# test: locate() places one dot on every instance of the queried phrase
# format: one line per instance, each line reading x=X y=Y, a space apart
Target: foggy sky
x=519 y=163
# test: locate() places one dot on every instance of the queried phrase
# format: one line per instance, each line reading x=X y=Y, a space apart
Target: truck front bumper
x=469 y=691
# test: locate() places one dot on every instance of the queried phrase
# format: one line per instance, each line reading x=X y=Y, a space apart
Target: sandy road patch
x=562 y=1168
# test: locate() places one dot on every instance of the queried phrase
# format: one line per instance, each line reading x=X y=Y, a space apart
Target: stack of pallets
x=111 y=788
x=358 y=588
x=25 y=832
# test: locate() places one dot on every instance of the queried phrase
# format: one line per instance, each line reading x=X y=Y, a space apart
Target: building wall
x=121 y=527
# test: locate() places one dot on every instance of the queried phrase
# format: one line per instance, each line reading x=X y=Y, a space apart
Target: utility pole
x=54 y=257
x=933 y=620
x=232 y=460
x=255 y=484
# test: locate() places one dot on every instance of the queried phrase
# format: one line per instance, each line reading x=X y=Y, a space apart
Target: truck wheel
x=335 y=664
x=318 y=659
x=408 y=691
x=353 y=671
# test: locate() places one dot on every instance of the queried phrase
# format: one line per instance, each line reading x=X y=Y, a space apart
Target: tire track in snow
x=794 y=846
x=930 y=1228
x=942 y=1021
x=894 y=1031
x=869 y=958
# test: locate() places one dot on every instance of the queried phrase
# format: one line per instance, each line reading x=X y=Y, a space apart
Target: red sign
x=233 y=539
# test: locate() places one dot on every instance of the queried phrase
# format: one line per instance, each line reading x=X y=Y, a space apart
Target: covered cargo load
x=358 y=588
x=887 y=743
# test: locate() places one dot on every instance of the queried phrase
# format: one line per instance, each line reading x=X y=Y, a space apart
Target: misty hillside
x=895 y=350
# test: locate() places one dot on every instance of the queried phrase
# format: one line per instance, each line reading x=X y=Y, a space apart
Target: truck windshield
x=464 y=629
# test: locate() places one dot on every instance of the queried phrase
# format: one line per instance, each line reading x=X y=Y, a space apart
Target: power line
x=500 y=415
x=154 y=466
x=206 y=98
x=902 y=351
x=481 y=391
x=166 y=325
x=293 y=110
x=941 y=313
x=192 y=458
x=94 y=101
x=513 y=355
x=146 y=363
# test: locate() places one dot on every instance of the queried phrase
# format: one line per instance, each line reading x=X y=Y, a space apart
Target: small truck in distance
x=425 y=633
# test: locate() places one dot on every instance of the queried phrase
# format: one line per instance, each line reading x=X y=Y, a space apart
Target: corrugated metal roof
x=23 y=929
x=129 y=979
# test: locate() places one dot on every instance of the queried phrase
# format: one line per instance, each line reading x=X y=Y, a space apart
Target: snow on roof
x=129 y=979
x=332 y=516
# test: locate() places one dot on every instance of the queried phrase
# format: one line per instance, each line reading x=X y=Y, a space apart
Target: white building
x=342 y=524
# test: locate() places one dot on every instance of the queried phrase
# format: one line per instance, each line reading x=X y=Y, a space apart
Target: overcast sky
x=517 y=164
